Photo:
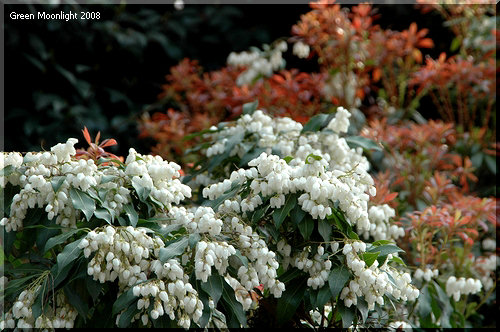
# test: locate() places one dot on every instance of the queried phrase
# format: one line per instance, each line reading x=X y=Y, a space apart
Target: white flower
x=301 y=50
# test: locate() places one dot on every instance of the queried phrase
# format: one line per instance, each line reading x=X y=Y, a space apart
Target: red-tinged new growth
x=95 y=151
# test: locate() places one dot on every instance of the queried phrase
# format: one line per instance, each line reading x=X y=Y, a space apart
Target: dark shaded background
x=61 y=76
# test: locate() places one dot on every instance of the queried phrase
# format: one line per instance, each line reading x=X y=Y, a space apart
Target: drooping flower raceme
x=156 y=264
x=323 y=167
x=325 y=175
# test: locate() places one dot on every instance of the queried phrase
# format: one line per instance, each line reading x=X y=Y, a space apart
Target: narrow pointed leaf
x=131 y=214
x=82 y=201
x=68 y=255
x=173 y=249
x=59 y=239
x=280 y=214
x=214 y=287
x=337 y=279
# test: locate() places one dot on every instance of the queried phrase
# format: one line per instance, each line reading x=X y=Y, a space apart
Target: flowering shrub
x=307 y=192
x=292 y=210
x=119 y=231
x=79 y=232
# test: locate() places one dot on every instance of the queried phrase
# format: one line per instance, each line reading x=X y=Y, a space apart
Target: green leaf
x=445 y=305
x=290 y=300
x=288 y=159
x=306 y=227
x=173 y=249
x=491 y=163
x=199 y=133
x=259 y=213
x=290 y=275
x=280 y=214
x=122 y=221
x=477 y=159
x=324 y=295
x=95 y=196
x=391 y=279
x=193 y=240
x=235 y=187
x=241 y=258
x=7 y=170
x=337 y=279
x=217 y=160
x=76 y=301
x=249 y=108
x=316 y=122
x=57 y=182
x=369 y=257
x=324 y=229
x=363 y=142
x=82 y=201
x=47 y=230
x=424 y=302
x=340 y=221
x=352 y=235
x=398 y=260
x=297 y=214
x=347 y=314
x=123 y=301
x=386 y=249
x=108 y=178
x=94 y=288
x=455 y=44
x=37 y=307
x=214 y=287
x=255 y=153
x=103 y=214
x=142 y=192
x=363 y=308
x=167 y=230
x=59 y=239
x=69 y=254
x=313 y=156
x=131 y=214
x=205 y=317
x=381 y=242
x=60 y=274
x=234 y=307
x=127 y=315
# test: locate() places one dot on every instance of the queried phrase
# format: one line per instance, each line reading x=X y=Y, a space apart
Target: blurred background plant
x=64 y=75
x=334 y=57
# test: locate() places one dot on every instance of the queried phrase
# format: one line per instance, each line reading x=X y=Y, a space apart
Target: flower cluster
x=158 y=176
x=324 y=169
x=62 y=315
x=426 y=274
x=258 y=62
x=318 y=268
x=120 y=252
x=52 y=181
x=301 y=50
x=486 y=266
x=176 y=299
x=455 y=287
x=373 y=282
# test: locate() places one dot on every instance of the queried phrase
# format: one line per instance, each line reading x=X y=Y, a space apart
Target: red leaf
x=97 y=137
x=108 y=142
x=390 y=197
x=87 y=135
